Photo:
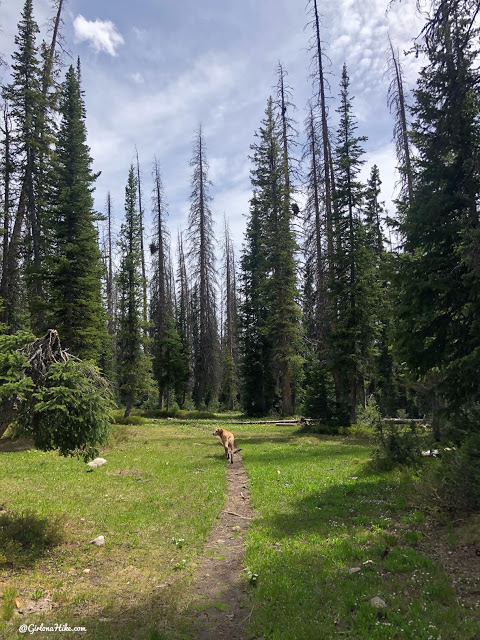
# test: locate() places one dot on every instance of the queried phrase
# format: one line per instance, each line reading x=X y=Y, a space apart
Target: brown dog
x=228 y=441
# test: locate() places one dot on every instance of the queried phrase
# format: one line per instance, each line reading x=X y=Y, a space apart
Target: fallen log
x=420 y=421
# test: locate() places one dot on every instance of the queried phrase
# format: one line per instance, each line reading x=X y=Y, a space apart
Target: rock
x=98 y=541
x=378 y=603
x=96 y=463
x=86 y=571
x=354 y=570
x=367 y=563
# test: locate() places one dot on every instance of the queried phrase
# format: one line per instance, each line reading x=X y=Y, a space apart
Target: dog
x=228 y=441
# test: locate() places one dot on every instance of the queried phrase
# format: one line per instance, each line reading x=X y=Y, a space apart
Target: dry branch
x=44 y=352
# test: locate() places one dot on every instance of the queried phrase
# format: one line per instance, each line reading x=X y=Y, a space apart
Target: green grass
x=321 y=511
x=154 y=501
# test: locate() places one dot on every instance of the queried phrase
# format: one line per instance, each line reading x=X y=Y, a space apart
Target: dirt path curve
x=222 y=605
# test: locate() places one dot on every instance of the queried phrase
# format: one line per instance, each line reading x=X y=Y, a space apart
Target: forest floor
x=325 y=547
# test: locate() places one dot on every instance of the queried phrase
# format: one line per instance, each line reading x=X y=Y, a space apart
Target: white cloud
x=137 y=78
x=102 y=34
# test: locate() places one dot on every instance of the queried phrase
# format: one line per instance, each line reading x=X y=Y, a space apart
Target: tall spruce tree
x=76 y=269
x=319 y=398
x=271 y=248
x=258 y=381
x=183 y=318
x=229 y=387
x=353 y=331
x=133 y=363
x=439 y=335
x=201 y=255
x=26 y=104
x=31 y=111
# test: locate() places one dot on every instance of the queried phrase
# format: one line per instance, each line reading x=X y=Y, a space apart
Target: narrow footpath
x=221 y=608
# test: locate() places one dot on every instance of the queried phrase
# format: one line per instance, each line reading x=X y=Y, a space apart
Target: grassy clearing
x=321 y=514
x=154 y=502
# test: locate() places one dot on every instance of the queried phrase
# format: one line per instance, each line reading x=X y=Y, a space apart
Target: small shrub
x=369 y=417
x=130 y=420
x=196 y=415
x=459 y=476
x=321 y=428
x=399 y=444
x=24 y=537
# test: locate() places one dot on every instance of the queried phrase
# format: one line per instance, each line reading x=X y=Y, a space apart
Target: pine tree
x=142 y=248
x=319 y=396
x=229 y=387
x=270 y=272
x=353 y=332
x=26 y=103
x=439 y=307
x=258 y=381
x=167 y=350
x=31 y=109
x=326 y=154
x=184 y=317
x=201 y=255
x=75 y=305
x=133 y=363
x=109 y=269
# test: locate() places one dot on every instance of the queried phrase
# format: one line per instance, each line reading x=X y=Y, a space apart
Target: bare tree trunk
x=396 y=99
x=110 y=323
x=142 y=249
x=328 y=169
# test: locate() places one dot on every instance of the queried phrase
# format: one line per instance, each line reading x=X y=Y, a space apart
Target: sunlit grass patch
x=162 y=482
x=330 y=537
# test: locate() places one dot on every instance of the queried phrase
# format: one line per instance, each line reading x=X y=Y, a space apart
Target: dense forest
x=319 y=314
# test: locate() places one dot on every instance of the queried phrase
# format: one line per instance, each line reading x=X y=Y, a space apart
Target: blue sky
x=153 y=70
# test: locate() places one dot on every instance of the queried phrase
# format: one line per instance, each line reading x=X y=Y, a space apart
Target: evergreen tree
x=184 y=318
x=353 y=332
x=272 y=249
x=258 y=382
x=438 y=312
x=75 y=306
x=202 y=259
x=170 y=366
x=29 y=136
x=133 y=363
x=229 y=387
x=319 y=399
x=26 y=104
x=174 y=371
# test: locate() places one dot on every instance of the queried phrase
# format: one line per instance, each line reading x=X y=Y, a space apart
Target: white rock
x=96 y=463
x=378 y=603
x=354 y=570
x=98 y=541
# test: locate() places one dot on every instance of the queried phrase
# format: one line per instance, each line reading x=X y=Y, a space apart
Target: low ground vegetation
x=337 y=548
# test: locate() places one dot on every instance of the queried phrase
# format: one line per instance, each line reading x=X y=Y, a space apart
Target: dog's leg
x=231 y=455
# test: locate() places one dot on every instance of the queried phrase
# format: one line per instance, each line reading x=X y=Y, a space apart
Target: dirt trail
x=221 y=603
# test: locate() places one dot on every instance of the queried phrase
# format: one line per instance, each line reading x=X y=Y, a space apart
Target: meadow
x=336 y=549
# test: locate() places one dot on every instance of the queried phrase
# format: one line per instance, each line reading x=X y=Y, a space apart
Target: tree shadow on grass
x=25 y=537
x=339 y=507
x=161 y=615
x=12 y=445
